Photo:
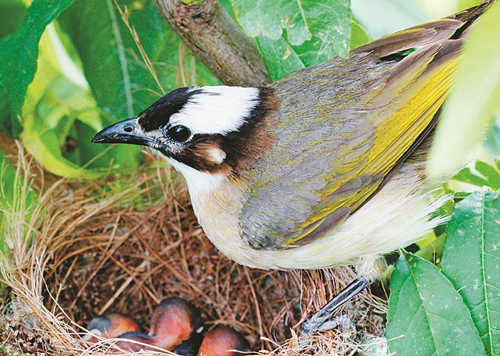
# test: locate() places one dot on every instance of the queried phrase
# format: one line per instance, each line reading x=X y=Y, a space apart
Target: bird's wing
x=343 y=127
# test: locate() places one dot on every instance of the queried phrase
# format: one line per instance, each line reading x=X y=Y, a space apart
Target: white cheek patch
x=217 y=110
x=216 y=155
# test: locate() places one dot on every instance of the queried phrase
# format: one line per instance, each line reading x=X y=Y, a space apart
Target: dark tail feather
x=449 y=28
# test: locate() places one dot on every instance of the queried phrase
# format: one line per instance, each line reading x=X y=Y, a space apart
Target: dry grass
x=87 y=248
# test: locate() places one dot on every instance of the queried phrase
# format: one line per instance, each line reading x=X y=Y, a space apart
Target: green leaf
x=54 y=106
x=7 y=177
x=426 y=314
x=359 y=36
x=471 y=260
x=12 y=13
x=18 y=55
x=465 y=175
x=121 y=83
x=490 y=173
x=433 y=250
x=484 y=175
x=475 y=99
x=282 y=59
x=43 y=143
x=329 y=21
x=317 y=50
x=279 y=57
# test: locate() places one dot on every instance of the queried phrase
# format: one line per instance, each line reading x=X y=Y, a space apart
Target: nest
x=123 y=244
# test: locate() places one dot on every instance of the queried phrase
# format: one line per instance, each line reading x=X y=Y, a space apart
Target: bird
x=223 y=341
x=109 y=325
x=173 y=322
x=322 y=168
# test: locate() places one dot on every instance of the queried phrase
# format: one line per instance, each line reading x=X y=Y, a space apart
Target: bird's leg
x=315 y=322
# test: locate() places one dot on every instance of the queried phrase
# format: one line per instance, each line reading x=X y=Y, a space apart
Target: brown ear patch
x=205 y=154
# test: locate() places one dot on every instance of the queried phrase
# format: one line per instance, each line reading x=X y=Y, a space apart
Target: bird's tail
x=469 y=16
x=448 y=28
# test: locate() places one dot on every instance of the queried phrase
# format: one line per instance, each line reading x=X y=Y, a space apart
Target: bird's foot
x=322 y=319
x=343 y=321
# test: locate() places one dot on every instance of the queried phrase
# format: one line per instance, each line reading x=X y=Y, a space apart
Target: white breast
x=396 y=217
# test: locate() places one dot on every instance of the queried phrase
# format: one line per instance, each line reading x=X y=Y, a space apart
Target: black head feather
x=158 y=114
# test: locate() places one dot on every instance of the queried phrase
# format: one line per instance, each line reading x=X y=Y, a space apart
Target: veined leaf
x=427 y=315
x=316 y=50
x=329 y=21
x=465 y=175
x=485 y=175
x=279 y=57
x=282 y=59
x=471 y=260
x=18 y=55
x=473 y=102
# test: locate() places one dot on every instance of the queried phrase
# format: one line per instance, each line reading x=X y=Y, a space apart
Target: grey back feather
x=321 y=126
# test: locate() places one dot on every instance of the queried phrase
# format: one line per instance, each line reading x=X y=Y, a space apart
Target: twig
x=213 y=37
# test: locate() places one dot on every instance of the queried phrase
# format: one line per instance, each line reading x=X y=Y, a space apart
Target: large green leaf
x=18 y=55
x=12 y=13
x=54 y=105
x=328 y=21
x=43 y=143
x=281 y=58
x=471 y=260
x=292 y=35
x=473 y=102
x=59 y=129
x=427 y=315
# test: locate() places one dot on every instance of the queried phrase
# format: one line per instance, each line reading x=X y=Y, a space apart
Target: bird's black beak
x=126 y=131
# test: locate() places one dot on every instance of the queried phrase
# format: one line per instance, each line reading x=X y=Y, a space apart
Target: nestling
x=322 y=168
x=109 y=325
x=173 y=322
x=224 y=341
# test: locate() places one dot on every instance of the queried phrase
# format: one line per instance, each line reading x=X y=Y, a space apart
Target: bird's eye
x=179 y=133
